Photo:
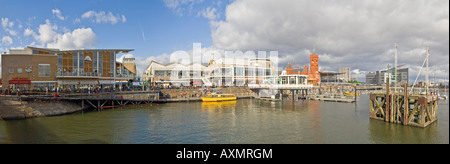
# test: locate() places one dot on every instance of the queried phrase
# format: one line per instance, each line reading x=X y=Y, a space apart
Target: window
x=11 y=70
x=75 y=62
x=19 y=70
x=44 y=70
x=60 y=62
x=81 y=62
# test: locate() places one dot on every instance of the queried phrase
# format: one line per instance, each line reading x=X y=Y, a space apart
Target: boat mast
x=395 y=69
x=426 y=76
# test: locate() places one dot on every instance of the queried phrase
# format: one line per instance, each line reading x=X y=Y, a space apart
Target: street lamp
x=29 y=70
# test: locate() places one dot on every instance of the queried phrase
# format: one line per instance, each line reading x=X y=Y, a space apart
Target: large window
x=100 y=63
x=239 y=71
x=94 y=62
x=60 y=62
x=81 y=61
x=112 y=61
x=44 y=85
x=44 y=70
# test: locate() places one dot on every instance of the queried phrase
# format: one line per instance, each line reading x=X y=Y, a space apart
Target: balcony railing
x=76 y=74
x=89 y=74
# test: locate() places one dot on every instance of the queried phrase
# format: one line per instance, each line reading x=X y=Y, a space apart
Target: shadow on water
x=30 y=131
x=33 y=131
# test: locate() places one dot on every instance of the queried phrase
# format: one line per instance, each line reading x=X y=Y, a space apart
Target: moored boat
x=218 y=97
x=351 y=94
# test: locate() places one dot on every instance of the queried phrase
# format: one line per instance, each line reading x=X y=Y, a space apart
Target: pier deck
x=333 y=99
x=112 y=100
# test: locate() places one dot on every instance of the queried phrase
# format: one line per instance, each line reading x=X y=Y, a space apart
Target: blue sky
x=150 y=27
x=359 y=34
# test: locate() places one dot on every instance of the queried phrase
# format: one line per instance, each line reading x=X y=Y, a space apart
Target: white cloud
x=47 y=33
x=77 y=20
x=29 y=32
x=6 y=23
x=180 y=6
x=48 y=36
x=103 y=17
x=209 y=13
x=345 y=33
x=58 y=14
x=11 y=32
x=7 y=40
x=77 y=39
x=123 y=18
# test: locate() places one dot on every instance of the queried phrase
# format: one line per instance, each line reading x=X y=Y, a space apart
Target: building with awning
x=46 y=68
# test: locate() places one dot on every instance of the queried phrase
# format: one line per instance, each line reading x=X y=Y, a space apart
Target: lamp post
x=29 y=70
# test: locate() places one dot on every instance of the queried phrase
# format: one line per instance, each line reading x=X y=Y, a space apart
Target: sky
x=360 y=34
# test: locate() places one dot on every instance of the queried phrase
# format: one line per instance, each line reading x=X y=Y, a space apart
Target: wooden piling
x=406 y=109
x=405 y=106
x=388 y=103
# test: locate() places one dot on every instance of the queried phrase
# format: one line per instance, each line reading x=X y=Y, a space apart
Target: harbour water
x=246 y=121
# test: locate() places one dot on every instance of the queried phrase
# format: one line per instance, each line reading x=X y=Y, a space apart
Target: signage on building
x=88 y=59
x=20 y=81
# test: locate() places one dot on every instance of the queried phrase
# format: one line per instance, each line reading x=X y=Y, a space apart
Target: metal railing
x=90 y=74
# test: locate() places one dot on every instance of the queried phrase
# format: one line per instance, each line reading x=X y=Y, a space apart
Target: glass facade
x=44 y=70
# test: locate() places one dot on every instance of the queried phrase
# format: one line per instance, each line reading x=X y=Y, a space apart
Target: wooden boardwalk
x=114 y=100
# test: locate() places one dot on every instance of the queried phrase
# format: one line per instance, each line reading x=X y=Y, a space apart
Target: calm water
x=245 y=121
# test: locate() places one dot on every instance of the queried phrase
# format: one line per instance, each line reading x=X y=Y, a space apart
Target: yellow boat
x=351 y=94
x=218 y=97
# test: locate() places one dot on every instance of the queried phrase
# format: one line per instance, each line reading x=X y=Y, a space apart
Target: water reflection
x=246 y=121
x=218 y=105
x=389 y=133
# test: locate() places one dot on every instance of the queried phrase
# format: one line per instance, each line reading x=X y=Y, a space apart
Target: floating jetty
x=402 y=108
x=333 y=99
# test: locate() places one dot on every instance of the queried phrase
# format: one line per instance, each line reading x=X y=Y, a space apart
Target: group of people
x=10 y=91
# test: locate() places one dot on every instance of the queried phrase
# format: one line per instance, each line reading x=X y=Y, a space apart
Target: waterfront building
x=330 y=77
x=175 y=74
x=345 y=76
x=239 y=71
x=401 y=78
x=371 y=78
x=312 y=71
x=220 y=72
x=44 y=68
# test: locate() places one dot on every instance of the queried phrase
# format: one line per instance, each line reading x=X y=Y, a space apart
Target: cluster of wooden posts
x=401 y=108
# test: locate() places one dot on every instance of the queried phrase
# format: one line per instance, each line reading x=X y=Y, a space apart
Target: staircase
x=206 y=81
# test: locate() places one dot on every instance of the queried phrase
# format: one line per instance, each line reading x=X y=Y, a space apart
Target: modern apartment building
x=371 y=78
x=401 y=77
x=345 y=76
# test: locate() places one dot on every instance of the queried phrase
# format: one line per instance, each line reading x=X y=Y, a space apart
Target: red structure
x=312 y=73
